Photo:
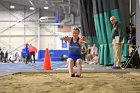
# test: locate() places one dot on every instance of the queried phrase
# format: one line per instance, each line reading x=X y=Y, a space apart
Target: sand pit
x=62 y=83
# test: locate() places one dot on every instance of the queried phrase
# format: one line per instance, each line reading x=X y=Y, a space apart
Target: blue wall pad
x=54 y=54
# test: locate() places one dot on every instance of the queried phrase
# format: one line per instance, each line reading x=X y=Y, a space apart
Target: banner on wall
x=64 y=44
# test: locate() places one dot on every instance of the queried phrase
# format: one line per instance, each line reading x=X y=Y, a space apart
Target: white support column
x=138 y=24
x=130 y=9
x=38 y=31
x=24 y=27
x=130 y=20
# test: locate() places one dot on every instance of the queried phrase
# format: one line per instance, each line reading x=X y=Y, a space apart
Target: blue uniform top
x=74 y=50
x=26 y=50
x=23 y=53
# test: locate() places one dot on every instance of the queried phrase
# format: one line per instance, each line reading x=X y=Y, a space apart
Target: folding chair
x=124 y=66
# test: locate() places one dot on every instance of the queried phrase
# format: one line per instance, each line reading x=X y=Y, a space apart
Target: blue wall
x=54 y=54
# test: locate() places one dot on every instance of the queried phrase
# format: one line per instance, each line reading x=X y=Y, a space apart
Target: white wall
x=14 y=38
x=14 y=35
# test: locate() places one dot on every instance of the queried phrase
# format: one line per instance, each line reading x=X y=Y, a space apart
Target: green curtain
x=103 y=10
x=87 y=21
x=96 y=26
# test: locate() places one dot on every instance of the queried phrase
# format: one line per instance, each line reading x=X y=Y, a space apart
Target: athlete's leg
x=70 y=65
x=79 y=66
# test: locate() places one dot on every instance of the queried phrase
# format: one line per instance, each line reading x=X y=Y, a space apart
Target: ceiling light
x=32 y=8
x=12 y=6
x=46 y=2
x=46 y=7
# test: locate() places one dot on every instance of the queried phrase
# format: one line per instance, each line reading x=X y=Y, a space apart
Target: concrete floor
x=10 y=68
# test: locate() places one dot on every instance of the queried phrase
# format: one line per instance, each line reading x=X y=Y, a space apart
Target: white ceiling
x=68 y=9
x=65 y=6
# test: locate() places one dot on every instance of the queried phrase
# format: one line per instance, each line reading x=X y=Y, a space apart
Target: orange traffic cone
x=47 y=64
